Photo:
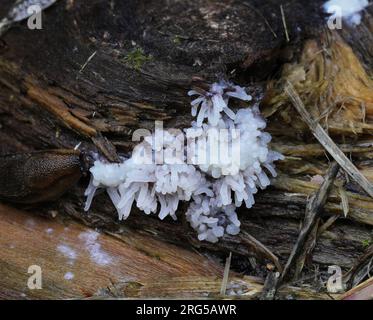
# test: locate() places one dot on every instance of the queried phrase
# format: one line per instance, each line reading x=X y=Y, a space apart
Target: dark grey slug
x=39 y=176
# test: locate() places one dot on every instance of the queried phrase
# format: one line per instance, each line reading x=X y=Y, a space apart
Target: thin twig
x=327 y=142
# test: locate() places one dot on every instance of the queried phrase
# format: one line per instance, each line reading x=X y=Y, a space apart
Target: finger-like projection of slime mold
x=214 y=188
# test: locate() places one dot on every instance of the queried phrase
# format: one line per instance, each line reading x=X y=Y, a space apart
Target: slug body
x=38 y=176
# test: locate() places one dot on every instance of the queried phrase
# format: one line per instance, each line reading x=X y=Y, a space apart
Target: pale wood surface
x=138 y=266
x=26 y=239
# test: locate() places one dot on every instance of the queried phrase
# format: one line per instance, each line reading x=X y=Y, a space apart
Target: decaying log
x=95 y=261
x=78 y=262
x=98 y=70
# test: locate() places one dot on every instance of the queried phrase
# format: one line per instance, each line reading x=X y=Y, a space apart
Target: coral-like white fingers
x=220 y=167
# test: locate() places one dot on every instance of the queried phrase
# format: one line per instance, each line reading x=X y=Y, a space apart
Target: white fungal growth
x=230 y=140
x=92 y=245
x=140 y=180
x=210 y=221
x=216 y=166
x=348 y=9
x=109 y=176
x=244 y=185
x=69 y=276
x=215 y=101
x=68 y=252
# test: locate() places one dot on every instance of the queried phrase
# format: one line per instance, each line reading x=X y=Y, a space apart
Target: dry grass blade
x=270 y=286
x=327 y=142
x=344 y=200
x=261 y=249
x=313 y=211
x=326 y=225
x=88 y=61
x=226 y=275
x=361 y=269
x=284 y=23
